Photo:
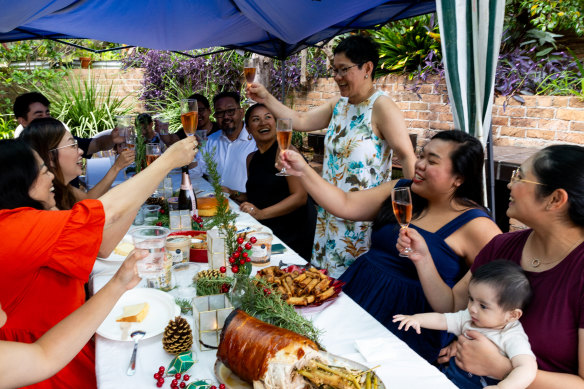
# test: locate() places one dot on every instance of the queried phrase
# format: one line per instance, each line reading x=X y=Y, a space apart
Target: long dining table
x=346 y=330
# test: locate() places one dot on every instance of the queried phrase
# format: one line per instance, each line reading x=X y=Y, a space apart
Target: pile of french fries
x=298 y=288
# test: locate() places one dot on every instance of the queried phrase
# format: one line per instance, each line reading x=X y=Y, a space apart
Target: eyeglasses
x=228 y=112
x=73 y=145
x=342 y=71
x=515 y=178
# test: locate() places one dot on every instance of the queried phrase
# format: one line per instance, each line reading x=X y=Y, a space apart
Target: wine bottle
x=186 y=196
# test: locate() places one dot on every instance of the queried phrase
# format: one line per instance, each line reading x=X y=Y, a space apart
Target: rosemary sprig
x=207 y=286
x=184 y=304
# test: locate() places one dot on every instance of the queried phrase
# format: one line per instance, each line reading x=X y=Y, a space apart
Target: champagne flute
x=249 y=72
x=401 y=200
x=284 y=137
x=152 y=152
x=189 y=116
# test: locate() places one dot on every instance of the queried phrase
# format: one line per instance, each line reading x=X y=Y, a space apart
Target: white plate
x=162 y=310
x=232 y=381
x=117 y=257
x=244 y=227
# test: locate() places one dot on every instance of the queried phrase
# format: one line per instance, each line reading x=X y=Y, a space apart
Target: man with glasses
x=34 y=105
x=231 y=145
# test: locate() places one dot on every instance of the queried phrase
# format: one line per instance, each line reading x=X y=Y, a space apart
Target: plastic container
x=196 y=255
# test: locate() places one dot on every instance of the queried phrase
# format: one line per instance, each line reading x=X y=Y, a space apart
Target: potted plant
x=85 y=62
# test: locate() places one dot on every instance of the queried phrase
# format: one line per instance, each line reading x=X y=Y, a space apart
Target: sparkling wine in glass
x=189 y=116
x=401 y=200
x=249 y=72
x=284 y=137
x=152 y=152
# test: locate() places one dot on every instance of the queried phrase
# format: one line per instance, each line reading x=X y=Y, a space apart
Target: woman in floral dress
x=364 y=128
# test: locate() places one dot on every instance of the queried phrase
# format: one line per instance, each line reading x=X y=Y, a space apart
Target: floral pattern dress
x=355 y=159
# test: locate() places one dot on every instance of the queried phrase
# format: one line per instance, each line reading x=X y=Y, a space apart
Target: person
x=46 y=256
x=447 y=211
x=35 y=105
x=205 y=126
x=230 y=146
x=145 y=123
x=547 y=195
x=57 y=347
x=364 y=126
x=280 y=203
x=498 y=293
x=60 y=152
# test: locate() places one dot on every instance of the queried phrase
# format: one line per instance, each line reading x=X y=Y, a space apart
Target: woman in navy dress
x=447 y=210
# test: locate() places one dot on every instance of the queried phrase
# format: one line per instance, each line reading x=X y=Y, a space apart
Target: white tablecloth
x=343 y=323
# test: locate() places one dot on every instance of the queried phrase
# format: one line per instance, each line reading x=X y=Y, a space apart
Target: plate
x=117 y=257
x=162 y=310
x=232 y=381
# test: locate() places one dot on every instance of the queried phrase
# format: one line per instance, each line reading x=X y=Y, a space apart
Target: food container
x=182 y=243
x=195 y=254
x=261 y=250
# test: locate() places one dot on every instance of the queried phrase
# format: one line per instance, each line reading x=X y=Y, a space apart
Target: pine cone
x=178 y=336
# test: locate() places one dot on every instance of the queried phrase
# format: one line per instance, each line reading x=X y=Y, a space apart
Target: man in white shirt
x=232 y=144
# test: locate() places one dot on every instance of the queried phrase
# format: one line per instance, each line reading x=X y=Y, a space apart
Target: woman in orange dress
x=47 y=256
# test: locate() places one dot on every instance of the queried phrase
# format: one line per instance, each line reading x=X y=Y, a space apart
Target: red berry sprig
x=240 y=258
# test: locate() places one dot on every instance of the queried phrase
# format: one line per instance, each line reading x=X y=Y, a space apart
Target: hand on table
x=409 y=237
x=125 y=159
x=407 y=321
x=252 y=210
x=293 y=162
x=127 y=274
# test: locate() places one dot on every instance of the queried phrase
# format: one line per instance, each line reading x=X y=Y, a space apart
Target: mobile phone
x=278 y=248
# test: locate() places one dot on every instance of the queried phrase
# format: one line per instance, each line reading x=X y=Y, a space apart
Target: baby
x=497 y=294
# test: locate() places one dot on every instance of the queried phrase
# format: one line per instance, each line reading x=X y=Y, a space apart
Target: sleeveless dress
x=265 y=189
x=355 y=159
x=385 y=284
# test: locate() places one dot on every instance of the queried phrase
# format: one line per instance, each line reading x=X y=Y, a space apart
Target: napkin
x=377 y=349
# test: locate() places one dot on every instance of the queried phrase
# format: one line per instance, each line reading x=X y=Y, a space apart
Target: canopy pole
x=491 y=170
x=282 y=75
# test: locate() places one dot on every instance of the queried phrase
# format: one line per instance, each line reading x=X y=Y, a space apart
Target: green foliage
x=212 y=285
x=404 y=44
x=7 y=126
x=566 y=83
x=169 y=106
x=83 y=105
x=558 y=15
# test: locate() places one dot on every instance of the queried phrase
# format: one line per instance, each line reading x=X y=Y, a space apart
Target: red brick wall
x=539 y=122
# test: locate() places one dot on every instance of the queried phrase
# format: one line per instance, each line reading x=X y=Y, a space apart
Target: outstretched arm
x=430 y=320
x=60 y=344
x=358 y=205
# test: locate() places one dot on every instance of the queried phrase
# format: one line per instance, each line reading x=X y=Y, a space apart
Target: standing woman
x=547 y=195
x=364 y=126
x=281 y=203
x=46 y=255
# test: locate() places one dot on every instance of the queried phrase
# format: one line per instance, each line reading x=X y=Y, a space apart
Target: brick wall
x=539 y=122
x=125 y=83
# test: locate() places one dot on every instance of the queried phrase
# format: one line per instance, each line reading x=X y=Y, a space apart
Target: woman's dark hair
x=18 y=172
x=509 y=281
x=44 y=136
x=560 y=167
x=467 y=162
x=250 y=111
x=359 y=49
x=200 y=99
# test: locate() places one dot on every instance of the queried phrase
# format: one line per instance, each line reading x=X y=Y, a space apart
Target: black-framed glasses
x=515 y=178
x=228 y=112
x=73 y=145
x=342 y=71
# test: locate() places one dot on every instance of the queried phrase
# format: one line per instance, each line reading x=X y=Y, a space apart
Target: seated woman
x=281 y=203
x=60 y=153
x=46 y=256
x=52 y=351
x=447 y=211
x=547 y=195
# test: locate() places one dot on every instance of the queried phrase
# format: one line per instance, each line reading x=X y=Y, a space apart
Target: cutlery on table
x=136 y=335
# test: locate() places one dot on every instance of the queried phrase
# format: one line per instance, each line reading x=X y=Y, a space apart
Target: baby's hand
x=407 y=321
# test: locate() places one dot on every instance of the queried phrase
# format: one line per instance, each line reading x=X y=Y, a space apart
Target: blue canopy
x=275 y=28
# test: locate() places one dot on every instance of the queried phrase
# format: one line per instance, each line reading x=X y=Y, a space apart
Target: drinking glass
x=182 y=276
x=153 y=239
x=401 y=200
x=249 y=72
x=189 y=115
x=284 y=137
x=130 y=139
x=152 y=152
x=150 y=213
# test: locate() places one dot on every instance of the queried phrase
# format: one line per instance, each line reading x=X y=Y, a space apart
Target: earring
x=248 y=136
x=367 y=76
x=547 y=207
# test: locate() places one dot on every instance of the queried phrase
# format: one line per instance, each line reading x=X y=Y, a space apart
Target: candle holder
x=209 y=314
x=217 y=257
